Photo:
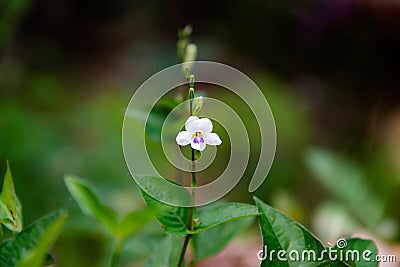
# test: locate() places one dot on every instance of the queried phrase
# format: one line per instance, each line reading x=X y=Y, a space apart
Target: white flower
x=198 y=134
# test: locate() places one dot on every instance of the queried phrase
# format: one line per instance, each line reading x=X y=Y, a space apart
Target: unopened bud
x=187 y=31
x=181 y=48
x=191 y=93
x=189 y=56
x=197 y=105
x=190 y=53
x=196 y=222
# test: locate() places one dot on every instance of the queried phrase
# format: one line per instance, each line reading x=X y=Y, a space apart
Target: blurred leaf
x=359 y=245
x=172 y=219
x=89 y=202
x=166 y=254
x=38 y=254
x=10 y=210
x=280 y=232
x=12 y=250
x=219 y=212
x=139 y=246
x=155 y=120
x=346 y=181
x=221 y=235
x=332 y=220
x=154 y=123
x=134 y=221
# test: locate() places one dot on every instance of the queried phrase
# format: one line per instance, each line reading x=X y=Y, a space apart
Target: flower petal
x=190 y=125
x=212 y=139
x=183 y=138
x=200 y=146
x=203 y=125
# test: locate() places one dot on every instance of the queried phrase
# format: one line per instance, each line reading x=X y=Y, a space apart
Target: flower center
x=197 y=137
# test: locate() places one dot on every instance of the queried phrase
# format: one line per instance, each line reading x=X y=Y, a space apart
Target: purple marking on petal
x=195 y=140
x=201 y=140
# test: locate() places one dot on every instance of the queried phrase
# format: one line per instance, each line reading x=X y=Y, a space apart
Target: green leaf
x=220 y=212
x=134 y=221
x=13 y=250
x=10 y=206
x=353 y=252
x=38 y=255
x=173 y=219
x=343 y=179
x=220 y=236
x=154 y=120
x=281 y=233
x=5 y=216
x=154 y=123
x=166 y=254
x=89 y=202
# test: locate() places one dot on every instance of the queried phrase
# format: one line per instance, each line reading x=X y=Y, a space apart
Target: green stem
x=191 y=208
x=194 y=182
x=193 y=186
x=117 y=254
x=183 y=251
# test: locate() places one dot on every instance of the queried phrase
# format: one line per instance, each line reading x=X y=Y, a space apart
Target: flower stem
x=117 y=254
x=192 y=202
x=193 y=185
x=194 y=182
x=183 y=251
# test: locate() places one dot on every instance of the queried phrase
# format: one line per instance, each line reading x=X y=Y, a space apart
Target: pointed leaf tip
x=11 y=208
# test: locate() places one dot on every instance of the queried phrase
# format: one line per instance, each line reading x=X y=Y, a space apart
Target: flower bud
x=181 y=48
x=189 y=56
x=190 y=53
x=186 y=32
x=197 y=105
x=191 y=93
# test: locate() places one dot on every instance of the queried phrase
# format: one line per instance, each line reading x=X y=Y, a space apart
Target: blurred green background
x=329 y=69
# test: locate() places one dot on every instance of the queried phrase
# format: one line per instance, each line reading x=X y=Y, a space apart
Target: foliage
x=28 y=247
x=219 y=221
x=10 y=206
x=207 y=229
x=222 y=221
x=342 y=178
x=90 y=204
